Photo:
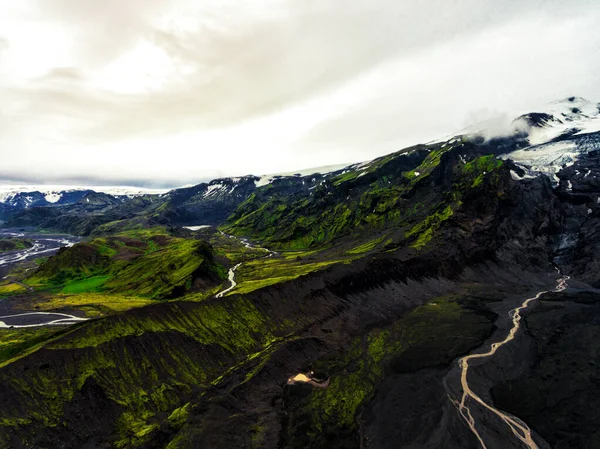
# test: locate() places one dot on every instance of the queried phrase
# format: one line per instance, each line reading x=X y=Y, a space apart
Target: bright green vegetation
x=92 y=304
x=345 y=177
x=366 y=247
x=385 y=165
x=398 y=191
x=150 y=364
x=115 y=273
x=139 y=224
x=262 y=273
x=167 y=273
x=359 y=201
x=231 y=326
x=9 y=289
x=80 y=295
x=230 y=248
x=154 y=365
x=40 y=261
x=427 y=227
x=193 y=345
x=359 y=206
x=480 y=167
x=469 y=178
x=148 y=263
x=288 y=265
x=432 y=160
x=85 y=285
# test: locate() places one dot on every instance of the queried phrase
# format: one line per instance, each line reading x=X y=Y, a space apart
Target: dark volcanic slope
x=128 y=376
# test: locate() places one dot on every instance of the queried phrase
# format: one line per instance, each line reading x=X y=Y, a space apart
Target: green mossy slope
x=412 y=191
x=147 y=365
x=148 y=263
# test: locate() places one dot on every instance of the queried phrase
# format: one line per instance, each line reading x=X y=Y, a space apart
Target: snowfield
x=546 y=159
x=571 y=132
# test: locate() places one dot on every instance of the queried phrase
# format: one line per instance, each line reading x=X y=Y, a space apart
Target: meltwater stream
x=231 y=274
x=43 y=245
x=519 y=429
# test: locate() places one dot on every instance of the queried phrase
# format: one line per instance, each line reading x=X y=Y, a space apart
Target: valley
x=442 y=296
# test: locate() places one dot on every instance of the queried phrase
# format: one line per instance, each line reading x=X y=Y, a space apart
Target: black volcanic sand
x=559 y=396
x=23 y=320
x=412 y=407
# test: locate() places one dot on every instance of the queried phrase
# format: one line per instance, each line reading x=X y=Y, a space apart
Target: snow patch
x=196 y=228
x=53 y=197
x=515 y=176
x=265 y=180
x=572 y=115
x=213 y=189
x=546 y=159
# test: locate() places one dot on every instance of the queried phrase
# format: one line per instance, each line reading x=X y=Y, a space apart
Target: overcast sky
x=166 y=93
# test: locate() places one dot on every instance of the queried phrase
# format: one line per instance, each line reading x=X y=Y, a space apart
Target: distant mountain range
x=26 y=196
x=78 y=210
x=555 y=141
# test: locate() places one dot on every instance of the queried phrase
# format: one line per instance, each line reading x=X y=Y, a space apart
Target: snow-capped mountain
x=557 y=137
x=560 y=140
x=26 y=196
x=571 y=116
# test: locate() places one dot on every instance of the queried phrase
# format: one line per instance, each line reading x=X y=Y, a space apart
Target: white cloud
x=174 y=92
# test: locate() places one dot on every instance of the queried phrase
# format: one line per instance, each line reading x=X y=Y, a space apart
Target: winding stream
x=231 y=274
x=51 y=319
x=42 y=245
x=231 y=280
x=520 y=430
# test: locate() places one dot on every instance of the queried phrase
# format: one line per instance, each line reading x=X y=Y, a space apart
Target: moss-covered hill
x=409 y=193
x=306 y=210
x=146 y=263
x=387 y=273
